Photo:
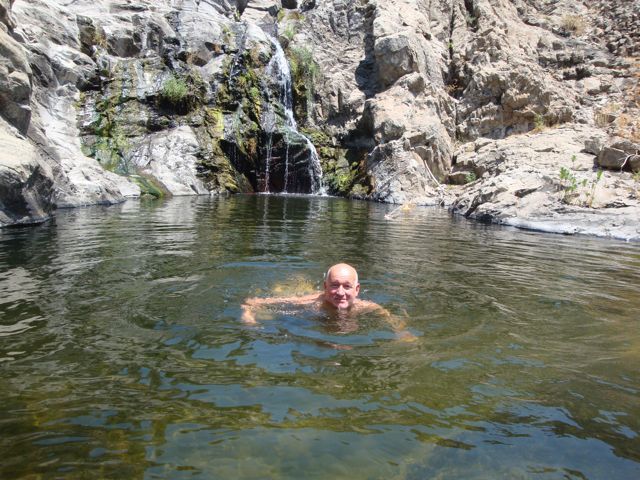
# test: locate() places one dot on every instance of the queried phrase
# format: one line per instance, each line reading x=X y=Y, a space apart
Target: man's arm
x=251 y=304
x=398 y=325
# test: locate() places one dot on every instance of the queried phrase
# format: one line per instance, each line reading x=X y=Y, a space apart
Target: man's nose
x=341 y=290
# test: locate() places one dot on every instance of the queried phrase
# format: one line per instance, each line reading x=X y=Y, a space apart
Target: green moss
x=104 y=152
x=214 y=119
x=290 y=31
x=304 y=73
x=318 y=137
x=360 y=191
x=147 y=186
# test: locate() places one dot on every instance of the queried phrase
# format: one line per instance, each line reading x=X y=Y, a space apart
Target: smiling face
x=341 y=286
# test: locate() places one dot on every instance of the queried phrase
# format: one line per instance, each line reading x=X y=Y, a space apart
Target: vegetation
x=574 y=24
x=470 y=177
x=593 y=187
x=175 y=90
x=538 y=122
x=304 y=74
x=289 y=32
x=571 y=185
x=182 y=92
x=147 y=186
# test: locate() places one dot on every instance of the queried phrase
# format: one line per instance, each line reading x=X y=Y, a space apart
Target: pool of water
x=122 y=354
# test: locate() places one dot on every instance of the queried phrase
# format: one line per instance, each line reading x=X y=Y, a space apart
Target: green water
x=122 y=354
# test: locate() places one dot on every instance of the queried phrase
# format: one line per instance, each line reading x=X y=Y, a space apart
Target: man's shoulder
x=366 y=305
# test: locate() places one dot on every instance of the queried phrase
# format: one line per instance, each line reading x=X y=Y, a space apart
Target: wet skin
x=341 y=289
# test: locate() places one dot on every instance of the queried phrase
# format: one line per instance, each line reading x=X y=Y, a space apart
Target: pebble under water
x=122 y=354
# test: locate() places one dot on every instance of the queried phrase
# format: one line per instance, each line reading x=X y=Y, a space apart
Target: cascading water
x=278 y=69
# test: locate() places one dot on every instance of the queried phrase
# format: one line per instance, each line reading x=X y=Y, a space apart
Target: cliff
x=519 y=112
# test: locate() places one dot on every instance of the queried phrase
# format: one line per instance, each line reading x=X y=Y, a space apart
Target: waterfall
x=278 y=69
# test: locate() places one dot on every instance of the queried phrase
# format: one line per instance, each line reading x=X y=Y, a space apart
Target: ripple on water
x=122 y=351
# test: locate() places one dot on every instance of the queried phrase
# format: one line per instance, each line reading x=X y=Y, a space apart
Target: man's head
x=341 y=286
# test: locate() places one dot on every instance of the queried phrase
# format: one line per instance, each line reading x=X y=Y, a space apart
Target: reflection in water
x=121 y=353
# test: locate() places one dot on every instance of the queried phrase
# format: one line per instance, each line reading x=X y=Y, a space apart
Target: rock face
x=25 y=181
x=480 y=105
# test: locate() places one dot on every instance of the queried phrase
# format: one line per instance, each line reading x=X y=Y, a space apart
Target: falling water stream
x=278 y=69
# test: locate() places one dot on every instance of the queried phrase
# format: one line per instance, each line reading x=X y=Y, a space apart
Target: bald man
x=341 y=289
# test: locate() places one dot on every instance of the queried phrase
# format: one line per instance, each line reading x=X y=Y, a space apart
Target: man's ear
x=357 y=288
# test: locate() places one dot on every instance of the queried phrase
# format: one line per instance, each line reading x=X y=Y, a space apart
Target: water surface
x=122 y=354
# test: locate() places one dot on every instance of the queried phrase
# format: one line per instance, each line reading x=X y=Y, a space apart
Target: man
x=341 y=289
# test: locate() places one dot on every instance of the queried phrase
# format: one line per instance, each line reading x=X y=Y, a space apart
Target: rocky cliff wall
x=482 y=105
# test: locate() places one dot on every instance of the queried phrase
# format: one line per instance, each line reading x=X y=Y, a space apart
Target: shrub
x=182 y=92
x=574 y=24
x=174 y=91
x=302 y=63
x=538 y=122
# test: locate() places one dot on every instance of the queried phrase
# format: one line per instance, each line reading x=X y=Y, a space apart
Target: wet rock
x=26 y=182
x=170 y=157
x=289 y=4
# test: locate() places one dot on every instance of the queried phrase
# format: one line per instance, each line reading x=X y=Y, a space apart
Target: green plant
x=182 y=92
x=304 y=73
x=302 y=63
x=174 y=90
x=592 y=191
x=470 y=177
x=99 y=38
x=569 y=184
x=289 y=32
x=538 y=122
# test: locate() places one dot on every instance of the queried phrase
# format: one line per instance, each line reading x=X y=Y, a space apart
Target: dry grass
x=606 y=115
x=627 y=126
x=574 y=24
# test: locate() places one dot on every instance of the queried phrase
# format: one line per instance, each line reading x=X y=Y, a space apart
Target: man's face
x=341 y=287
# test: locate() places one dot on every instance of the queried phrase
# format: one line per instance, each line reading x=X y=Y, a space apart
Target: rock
x=15 y=83
x=395 y=57
x=400 y=176
x=594 y=145
x=26 y=193
x=398 y=82
x=170 y=158
x=261 y=11
x=307 y=5
x=626 y=146
x=634 y=163
x=523 y=186
x=612 y=158
x=5 y=14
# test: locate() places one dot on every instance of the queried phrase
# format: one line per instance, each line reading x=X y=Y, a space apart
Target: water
x=122 y=355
